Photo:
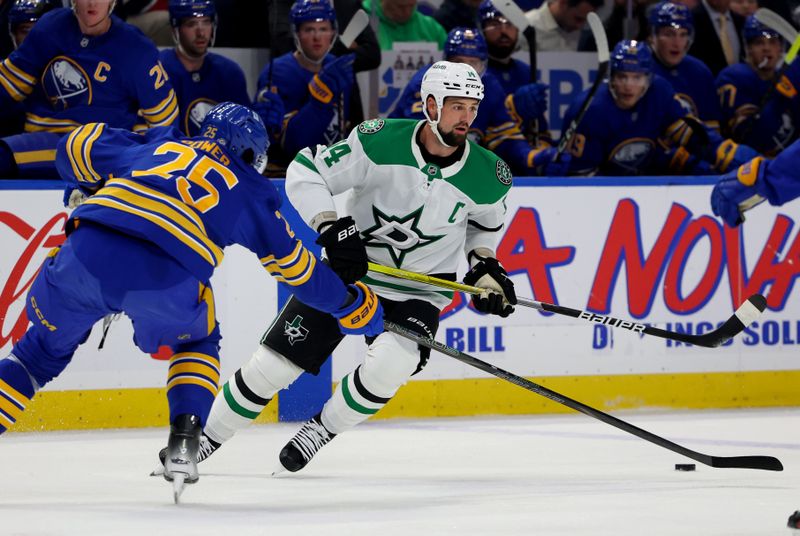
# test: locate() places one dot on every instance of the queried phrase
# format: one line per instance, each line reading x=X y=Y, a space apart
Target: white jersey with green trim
x=412 y=215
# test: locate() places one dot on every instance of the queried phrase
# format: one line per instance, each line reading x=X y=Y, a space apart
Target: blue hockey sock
x=16 y=391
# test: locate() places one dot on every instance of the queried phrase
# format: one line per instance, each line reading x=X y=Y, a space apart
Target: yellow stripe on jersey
x=12 y=400
x=207 y=296
x=163 y=216
x=191 y=380
x=10 y=88
x=36 y=123
x=29 y=157
x=149 y=192
x=10 y=409
x=191 y=368
x=296 y=271
x=25 y=77
x=185 y=368
x=163 y=113
x=79 y=144
x=16 y=78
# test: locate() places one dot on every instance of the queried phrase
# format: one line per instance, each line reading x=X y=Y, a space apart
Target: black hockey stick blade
x=766 y=463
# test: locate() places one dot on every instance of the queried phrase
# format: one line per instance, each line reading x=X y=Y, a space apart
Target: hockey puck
x=685 y=467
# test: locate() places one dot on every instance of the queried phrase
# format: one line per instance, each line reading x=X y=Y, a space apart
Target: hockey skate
x=304 y=445
x=180 y=465
x=207 y=447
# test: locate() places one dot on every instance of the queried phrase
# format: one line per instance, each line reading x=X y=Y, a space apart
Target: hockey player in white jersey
x=420 y=194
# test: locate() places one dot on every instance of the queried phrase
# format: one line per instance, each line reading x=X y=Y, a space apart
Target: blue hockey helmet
x=463 y=41
x=487 y=11
x=180 y=10
x=671 y=15
x=23 y=11
x=240 y=130
x=312 y=11
x=753 y=29
x=631 y=56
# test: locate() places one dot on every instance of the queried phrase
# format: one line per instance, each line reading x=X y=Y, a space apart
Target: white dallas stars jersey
x=411 y=214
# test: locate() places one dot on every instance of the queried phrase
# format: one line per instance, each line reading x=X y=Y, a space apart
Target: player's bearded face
x=671 y=45
x=457 y=116
x=501 y=37
x=628 y=88
x=195 y=36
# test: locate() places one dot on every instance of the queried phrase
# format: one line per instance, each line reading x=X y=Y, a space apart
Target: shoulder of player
x=223 y=63
x=488 y=177
x=694 y=67
x=737 y=71
x=55 y=19
x=379 y=134
x=169 y=59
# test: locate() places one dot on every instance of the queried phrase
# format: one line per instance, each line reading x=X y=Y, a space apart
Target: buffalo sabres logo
x=687 y=104
x=371 y=126
x=66 y=84
x=503 y=172
x=294 y=330
x=194 y=115
x=398 y=234
x=632 y=154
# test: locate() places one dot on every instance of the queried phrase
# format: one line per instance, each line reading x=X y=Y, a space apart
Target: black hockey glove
x=344 y=249
x=500 y=298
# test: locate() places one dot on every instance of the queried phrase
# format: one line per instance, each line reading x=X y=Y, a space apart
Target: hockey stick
x=766 y=463
x=744 y=316
x=354 y=28
x=515 y=16
x=603 y=55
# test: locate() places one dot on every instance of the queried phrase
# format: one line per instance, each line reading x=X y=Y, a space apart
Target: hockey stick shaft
x=767 y=463
x=745 y=315
x=601 y=40
x=354 y=28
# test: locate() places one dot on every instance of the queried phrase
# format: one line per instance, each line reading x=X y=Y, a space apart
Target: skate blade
x=280 y=472
x=178 y=486
x=158 y=471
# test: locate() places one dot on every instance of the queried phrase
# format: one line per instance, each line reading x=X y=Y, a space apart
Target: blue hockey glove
x=270 y=107
x=736 y=192
x=333 y=79
x=500 y=297
x=363 y=315
x=731 y=155
x=530 y=101
x=544 y=165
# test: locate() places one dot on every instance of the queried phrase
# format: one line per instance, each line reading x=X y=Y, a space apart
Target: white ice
x=543 y=475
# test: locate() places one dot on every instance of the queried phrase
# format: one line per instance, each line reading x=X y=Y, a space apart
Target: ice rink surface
x=542 y=475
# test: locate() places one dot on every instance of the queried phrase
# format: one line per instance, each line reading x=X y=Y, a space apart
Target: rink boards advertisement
x=644 y=249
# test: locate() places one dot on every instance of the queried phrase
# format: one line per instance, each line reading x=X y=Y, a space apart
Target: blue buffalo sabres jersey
x=218 y=80
x=495 y=127
x=694 y=87
x=776 y=179
x=511 y=75
x=191 y=198
x=68 y=79
x=768 y=129
x=613 y=141
x=308 y=122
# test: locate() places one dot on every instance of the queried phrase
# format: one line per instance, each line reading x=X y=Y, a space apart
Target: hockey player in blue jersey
x=497 y=126
x=671 y=35
x=635 y=117
x=79 y=66
x=200 y=78
x=501 y=42
x=753 y=111
x=22 y=15
x=760 y=179
x=314 y=85
x=160 y=210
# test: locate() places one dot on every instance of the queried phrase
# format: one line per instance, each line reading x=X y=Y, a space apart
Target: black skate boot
x=305 y=444
x=207 y=448
x=180 y=466
x=794 y=520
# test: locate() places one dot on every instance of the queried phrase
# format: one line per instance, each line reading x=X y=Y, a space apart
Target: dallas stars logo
x=294 y=330
x=398 y=234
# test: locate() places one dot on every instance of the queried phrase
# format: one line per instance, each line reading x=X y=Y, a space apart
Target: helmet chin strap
x=434 y=124
x=300 y=49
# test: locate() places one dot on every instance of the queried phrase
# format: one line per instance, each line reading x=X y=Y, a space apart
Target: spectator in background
x=630 y=115
x=671 y=34
x=501 y=42
x=314 y=85
x=151 y=17
x=744 y=8
x=454 y=13
x=496 y=126
x=21 y=18
x=400 y=21
x=755 y=111
x=79 y=66
x=558 y=23
x=201 y=78
x=618 y=19
x=718 y=41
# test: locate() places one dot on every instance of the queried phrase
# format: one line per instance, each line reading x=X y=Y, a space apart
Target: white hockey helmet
x=447 y=79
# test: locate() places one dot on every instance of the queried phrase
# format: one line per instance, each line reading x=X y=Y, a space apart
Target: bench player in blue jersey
x=756 y=181
x=635 y=118
x=314 y=85
x=22 y=15
x=497 y=126
x=79 y=66
x=753 y=111
x=671 y=35
x=200 y=78
x=161 y=207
